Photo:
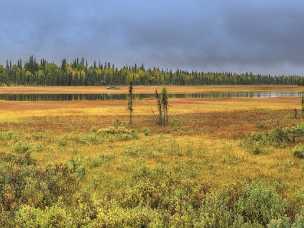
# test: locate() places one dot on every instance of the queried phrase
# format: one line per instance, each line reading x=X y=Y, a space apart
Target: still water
x=104 y=96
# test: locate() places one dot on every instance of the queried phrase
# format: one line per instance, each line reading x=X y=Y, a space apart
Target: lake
x=105 y=96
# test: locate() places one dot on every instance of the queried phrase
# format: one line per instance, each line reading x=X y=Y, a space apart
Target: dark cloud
x=221 y=35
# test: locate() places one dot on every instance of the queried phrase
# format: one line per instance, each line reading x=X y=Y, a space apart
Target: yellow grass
x=211 y=128
x=13 y=110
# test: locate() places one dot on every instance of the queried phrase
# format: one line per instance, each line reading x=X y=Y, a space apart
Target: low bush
x=100 y=136
x=116 y=216
x=260 y=125
x=39 y=136
x=260 y=204
x=161 y=189
x=118 y=133
x=175 y=124
x=91 y=138
x=100 y=160
x=24 y=184
x=77 y=165
x=62 y=141
x=278 y=137
x=253 y=145
x=298 y=151
x=256 y=142
x=150 y=195
x=22 y=147
x=286 y=222
x=53 y=216
x=8 y=135
x=215 y=211
x=147 y=131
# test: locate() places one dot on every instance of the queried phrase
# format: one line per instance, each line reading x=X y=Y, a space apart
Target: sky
x=216 y=35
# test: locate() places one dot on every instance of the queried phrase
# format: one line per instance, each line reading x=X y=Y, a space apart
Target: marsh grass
x=95 y=173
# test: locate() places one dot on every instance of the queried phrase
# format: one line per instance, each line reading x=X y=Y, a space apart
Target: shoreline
x=144 y=89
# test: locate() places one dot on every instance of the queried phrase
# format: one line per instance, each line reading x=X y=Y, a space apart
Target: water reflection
x=77 y=97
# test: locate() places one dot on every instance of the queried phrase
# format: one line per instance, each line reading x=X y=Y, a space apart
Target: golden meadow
x=222 y=162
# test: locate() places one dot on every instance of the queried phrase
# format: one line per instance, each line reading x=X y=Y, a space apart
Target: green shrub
x=255 y=205
x=297 y=130
x=30 y=217
x=260 y=125
x=256 y=149
x=298 y=151
x=91 y=139
x=8 y=135
x=134 y=151
x=22 y=181
x=117 y=123
x=100 y=136
x=118 y=133
x=94 y=129
x=39 y=136
x=159 y=188
x=256 y=142
x=100 y=160
x=142 y=151
x=175 y=124
x=127 y=217
x=84 y=209
x=279 y=137
x=77 y=166
x=260 y=203
x=299 y=221
x=214 y=212
x=286 y=222
x=38 y=147
x=62 y=142
x=147 y=131
x=20 y=160
x=22 y=147
x=283 y=222
x=51 y=217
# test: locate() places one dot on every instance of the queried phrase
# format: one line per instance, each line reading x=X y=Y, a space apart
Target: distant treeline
x=80 y=72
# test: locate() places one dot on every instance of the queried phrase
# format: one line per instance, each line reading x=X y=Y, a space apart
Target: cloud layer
x=218 y=35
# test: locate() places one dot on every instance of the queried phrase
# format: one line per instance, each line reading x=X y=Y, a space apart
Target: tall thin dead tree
x=130 y=103
x=159 y=106
x=164 y=103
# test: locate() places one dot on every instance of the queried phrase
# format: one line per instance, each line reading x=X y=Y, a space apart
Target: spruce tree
x=164 y=103
x=130 y=102
x=159 y=106
x=302 y=103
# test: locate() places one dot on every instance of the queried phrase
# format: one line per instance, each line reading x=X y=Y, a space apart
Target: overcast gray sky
x=218 y=35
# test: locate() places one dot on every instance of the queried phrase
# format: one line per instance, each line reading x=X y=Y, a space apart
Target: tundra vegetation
x=229 y=162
